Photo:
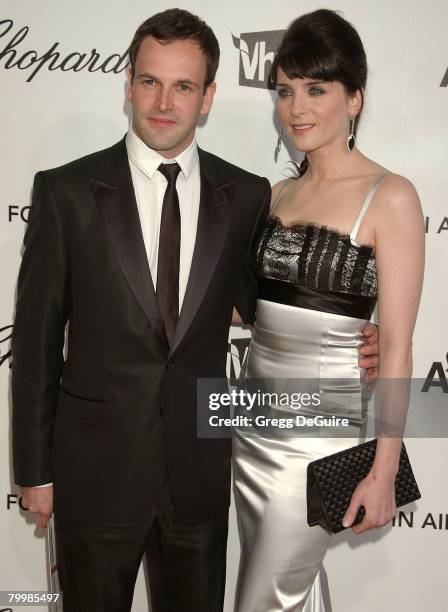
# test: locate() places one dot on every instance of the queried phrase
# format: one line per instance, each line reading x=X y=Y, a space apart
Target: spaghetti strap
x=364 y=207
x=277 y=199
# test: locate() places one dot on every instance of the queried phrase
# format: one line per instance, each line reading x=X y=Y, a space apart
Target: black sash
x=346 y=304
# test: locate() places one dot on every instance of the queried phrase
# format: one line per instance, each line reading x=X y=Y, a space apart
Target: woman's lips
x=302 y=127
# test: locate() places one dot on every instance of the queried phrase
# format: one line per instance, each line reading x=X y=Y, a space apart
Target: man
x=114 y=426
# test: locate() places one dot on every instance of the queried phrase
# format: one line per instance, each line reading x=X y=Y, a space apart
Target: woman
x=345 y=233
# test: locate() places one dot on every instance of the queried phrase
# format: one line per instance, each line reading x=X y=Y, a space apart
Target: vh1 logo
x=257 y=51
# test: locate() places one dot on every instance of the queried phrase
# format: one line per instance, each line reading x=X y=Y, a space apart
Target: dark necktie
x=169 y=252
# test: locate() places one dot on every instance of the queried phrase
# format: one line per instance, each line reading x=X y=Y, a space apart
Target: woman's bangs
x=302 y=61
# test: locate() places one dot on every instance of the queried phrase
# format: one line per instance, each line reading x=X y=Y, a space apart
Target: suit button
x=171 y=364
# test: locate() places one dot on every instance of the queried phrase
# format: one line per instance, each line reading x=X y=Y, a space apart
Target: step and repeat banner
x=63 y=84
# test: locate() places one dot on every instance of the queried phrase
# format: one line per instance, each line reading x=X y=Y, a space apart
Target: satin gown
x=317 y=289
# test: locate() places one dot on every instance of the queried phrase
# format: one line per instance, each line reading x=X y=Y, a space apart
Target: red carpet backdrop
x=62 y=72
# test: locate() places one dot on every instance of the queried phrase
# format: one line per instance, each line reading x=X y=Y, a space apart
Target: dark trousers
x=186 y=563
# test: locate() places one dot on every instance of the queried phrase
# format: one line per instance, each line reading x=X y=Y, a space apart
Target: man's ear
x=129 y=86
x=208 y=98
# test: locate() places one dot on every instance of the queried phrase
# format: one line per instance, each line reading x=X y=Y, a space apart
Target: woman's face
x=315 y=113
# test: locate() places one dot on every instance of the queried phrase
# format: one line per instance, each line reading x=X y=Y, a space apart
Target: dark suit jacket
x=108 y=422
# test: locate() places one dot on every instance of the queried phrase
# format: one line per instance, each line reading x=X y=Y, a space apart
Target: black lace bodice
x=316 y=256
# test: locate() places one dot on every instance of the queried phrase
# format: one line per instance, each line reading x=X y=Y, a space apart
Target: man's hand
x=369 y=358
x=39 y=499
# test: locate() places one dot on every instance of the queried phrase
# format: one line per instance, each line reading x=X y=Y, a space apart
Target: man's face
x=167 y=94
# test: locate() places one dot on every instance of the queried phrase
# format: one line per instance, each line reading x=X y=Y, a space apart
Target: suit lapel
x=213 y=219
x=115 y=197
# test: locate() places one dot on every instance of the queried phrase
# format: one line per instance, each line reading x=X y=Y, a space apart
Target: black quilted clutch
x=332 y=480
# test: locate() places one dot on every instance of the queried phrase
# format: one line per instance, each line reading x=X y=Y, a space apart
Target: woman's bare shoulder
x=397 y=192
x=394 y=190
x=279 y=187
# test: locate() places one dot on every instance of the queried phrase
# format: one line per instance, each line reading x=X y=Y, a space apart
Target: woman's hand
x=377 y=494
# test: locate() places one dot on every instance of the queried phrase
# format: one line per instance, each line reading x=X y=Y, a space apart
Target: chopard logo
x=257 y=51
x=436 y=377
x=5 y=335
x=14 y=56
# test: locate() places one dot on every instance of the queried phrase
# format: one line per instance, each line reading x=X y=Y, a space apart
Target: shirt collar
x=148 y=160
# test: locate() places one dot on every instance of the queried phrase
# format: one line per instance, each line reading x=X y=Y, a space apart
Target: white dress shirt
x=149 y=187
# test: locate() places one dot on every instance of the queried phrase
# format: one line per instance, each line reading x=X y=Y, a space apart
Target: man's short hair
x=177 y=24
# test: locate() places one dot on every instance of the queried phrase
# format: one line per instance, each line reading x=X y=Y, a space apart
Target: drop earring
x=351 y=140
x=278 y=148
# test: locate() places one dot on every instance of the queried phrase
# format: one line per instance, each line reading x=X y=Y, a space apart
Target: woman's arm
x=399 y=244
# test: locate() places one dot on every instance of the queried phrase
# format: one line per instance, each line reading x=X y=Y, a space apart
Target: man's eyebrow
x=188 y=82
x=146 y=75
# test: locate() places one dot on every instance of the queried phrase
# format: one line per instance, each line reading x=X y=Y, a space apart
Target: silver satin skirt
x=280 y=554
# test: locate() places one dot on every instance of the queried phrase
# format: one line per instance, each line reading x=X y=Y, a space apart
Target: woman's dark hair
x=322 y=46
x=177 y=24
